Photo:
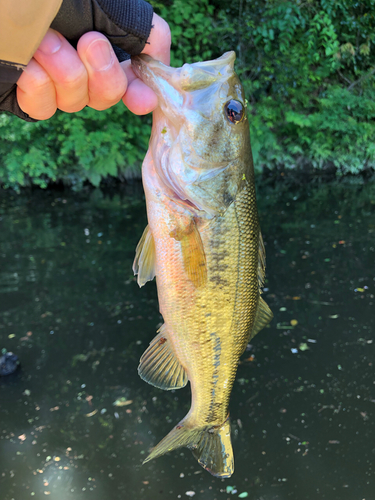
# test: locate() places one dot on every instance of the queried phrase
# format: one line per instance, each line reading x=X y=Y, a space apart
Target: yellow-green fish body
x=204 y=245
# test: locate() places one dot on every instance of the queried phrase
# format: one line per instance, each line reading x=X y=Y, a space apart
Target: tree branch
x=344 y=77
x=360 y=80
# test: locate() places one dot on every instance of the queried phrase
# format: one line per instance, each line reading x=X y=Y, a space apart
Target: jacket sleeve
x=126 y=23
x=23 y=25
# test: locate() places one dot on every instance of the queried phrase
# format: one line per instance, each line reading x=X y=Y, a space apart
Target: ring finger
x=63 y=65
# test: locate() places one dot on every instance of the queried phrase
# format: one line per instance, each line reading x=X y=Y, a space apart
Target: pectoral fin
x=159 y=365
x=144 y=262
x=193 y=254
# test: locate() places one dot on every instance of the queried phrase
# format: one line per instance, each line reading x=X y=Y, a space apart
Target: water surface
x=76 y=421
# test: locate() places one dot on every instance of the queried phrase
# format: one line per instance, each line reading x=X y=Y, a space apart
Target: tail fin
x=211 y=446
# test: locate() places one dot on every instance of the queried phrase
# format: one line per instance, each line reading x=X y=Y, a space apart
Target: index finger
x=158 y=44
x=139 y=98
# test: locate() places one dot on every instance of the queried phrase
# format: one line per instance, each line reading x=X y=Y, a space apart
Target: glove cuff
x=10 y=72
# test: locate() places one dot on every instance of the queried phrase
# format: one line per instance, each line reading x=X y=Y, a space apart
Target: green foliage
x=308 y=71
x=88 y=145
x=192 y=29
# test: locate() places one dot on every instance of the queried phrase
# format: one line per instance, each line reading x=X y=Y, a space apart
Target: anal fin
x=144 y=262
x=159 y=365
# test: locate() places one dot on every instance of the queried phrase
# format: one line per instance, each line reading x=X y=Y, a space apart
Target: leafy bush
x=88 y=145
x=308 y=71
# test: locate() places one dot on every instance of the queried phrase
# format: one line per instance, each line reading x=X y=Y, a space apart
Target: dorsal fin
x=159 y=365
x=262 y=317
x=261 y=262
x=144 y=261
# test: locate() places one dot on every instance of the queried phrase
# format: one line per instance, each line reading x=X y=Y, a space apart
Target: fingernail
x=50 y=43
x=100 y=55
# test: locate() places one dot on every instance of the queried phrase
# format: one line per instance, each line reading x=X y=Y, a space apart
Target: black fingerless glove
x=126 y=23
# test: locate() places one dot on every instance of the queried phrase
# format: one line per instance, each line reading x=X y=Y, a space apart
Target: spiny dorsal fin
x=261 y=262
x=193 y=254
x=262 y=317
x=144 y=262
x=159 y=365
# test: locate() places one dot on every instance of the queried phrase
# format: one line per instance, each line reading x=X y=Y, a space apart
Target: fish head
x=200 y=138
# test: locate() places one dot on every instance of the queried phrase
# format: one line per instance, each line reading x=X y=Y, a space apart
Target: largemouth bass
x=203 y=244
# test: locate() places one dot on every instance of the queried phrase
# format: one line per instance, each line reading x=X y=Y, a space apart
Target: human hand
x=60 y=77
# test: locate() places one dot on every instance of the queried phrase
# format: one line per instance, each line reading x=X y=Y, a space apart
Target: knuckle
x=39 y=112
x=166 y=32
x=113 y=97
x=74 y=79
x=72 y=107
x=102 y=104
x=43 y=115
x=40 y=83
x=108 y=92
x=97 y=106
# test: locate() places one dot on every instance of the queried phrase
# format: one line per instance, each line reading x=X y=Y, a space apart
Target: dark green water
x=303 y=404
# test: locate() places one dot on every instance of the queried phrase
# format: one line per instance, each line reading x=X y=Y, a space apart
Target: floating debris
x=122 y=402
x=91 y=414
x=231 y=489
x=303 y=346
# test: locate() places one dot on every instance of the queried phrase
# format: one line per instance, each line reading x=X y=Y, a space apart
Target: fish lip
x=148 y=69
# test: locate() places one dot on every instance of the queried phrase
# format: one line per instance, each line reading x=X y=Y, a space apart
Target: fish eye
x=234 y=111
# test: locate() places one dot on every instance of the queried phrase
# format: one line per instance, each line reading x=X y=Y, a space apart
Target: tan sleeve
x=23 y=24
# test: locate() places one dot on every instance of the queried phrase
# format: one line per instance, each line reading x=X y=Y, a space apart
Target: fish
x=203 y=243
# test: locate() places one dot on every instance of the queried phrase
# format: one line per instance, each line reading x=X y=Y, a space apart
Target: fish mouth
x=188 y=78
x=150 y=71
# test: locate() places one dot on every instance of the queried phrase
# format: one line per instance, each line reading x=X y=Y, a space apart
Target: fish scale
x=232 y=302
x=203 y=244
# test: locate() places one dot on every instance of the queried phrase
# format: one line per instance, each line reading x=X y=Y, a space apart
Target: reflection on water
x=76 y=421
